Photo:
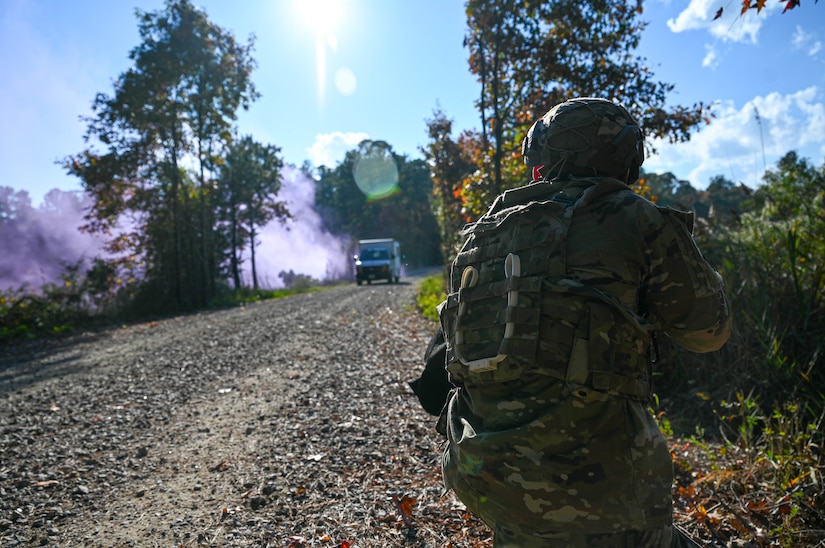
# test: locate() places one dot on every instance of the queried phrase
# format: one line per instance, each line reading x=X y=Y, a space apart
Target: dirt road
x=281 y=423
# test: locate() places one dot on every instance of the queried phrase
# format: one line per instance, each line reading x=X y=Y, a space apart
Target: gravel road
x=281 y=423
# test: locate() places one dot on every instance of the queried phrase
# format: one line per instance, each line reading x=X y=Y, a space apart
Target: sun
x=323 y=16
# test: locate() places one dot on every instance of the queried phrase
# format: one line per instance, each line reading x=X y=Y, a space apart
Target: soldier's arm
x=685 y=296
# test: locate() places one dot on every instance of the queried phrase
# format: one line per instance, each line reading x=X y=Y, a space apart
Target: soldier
x=554 y=301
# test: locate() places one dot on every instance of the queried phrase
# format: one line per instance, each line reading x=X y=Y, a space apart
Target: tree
x=531 y=55
x=250 y=180
x=771 y=263
x=450 y=166
x=342 y=206
x=725 y=200
x=220 y=85
x=410 y=214
x=166 y=113
x=400 y=210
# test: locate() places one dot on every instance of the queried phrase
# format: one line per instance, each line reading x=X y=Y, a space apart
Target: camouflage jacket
x=550 y=453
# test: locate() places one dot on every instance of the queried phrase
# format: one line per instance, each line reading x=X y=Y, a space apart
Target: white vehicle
x=378 y=260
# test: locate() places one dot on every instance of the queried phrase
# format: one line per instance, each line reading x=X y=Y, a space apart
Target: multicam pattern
x=556 y=440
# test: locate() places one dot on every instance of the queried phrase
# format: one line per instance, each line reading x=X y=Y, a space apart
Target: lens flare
x=375 y=172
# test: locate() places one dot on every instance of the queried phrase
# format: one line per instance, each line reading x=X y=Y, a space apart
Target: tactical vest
x=511 y=308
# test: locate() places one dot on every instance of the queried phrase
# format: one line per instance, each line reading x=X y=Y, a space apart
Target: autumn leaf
x=756 y=505
x=740 y=526
x=699 y=513
x=405 y=507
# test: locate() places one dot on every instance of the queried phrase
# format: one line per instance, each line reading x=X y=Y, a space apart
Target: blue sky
x=380 y=67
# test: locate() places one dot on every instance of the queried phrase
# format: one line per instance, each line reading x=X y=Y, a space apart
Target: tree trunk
x=233 y=231
x=178 y=274
x=252 y=256
x=205 y=232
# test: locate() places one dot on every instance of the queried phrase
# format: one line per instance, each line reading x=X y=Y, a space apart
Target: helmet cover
x=586 y=136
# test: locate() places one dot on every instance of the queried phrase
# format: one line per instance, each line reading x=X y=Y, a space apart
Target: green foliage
x=55 y=309
x=781 y=446
x=430 y=294
x=776 y=274
x=403 y=214
x=450 y=166
x=93 y=298
x=768 y=379
x=744 y=413
x=297 y=281
x=249 y=295
x=529 y=56
x=172 y=108
x=250 y=178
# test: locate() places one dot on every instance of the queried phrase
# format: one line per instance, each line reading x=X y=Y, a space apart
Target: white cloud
x=711 y=59
x=733 y=144
x=806 y=41
x=731 y=26
x=330 y=148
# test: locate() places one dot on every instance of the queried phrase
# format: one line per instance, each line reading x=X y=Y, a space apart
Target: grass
x=431 y=292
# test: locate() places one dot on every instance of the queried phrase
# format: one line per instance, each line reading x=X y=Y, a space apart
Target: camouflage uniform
x=563 y=451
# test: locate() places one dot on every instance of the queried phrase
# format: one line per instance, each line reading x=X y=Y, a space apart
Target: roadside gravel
x=281 y=423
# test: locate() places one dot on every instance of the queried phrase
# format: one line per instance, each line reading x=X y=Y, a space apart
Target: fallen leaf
x=405 y=507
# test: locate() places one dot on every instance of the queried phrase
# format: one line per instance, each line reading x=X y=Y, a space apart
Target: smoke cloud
x=300 y=244
x=36 y=244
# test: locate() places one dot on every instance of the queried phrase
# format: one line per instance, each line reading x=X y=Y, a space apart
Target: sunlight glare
x=322 y=16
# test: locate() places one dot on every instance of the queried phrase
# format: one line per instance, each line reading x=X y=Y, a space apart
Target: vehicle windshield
x=374 y=255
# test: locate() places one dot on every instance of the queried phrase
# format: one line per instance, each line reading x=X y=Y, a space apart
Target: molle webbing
x=510 y=308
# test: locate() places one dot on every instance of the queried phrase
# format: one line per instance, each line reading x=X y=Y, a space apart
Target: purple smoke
x=301 y=244
x=37 y=243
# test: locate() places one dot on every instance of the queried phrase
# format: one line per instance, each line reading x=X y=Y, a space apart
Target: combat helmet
x=585 y=137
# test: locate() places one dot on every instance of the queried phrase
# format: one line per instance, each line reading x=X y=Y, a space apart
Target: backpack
x=511 y=309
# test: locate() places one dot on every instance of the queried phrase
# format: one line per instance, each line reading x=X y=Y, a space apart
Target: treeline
x=400 y=210
x=768 y=381
x=166 y=159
